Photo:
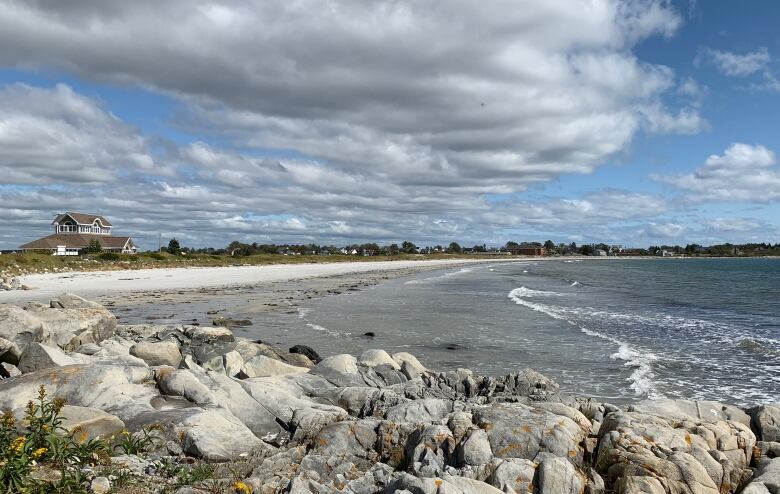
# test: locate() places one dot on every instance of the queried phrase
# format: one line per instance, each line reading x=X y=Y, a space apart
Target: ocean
x=616 y=329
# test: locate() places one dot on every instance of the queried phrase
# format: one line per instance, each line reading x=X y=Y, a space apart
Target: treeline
x=237 y=248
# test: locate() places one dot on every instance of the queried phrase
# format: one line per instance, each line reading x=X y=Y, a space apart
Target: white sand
x=90 y=284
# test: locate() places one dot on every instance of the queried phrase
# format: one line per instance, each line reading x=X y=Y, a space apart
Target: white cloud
x=744 y=172
x=338 y=119
x=735 y=64
x=56 y=135
x=445 y=94
x=666 y=230
x=734 y=224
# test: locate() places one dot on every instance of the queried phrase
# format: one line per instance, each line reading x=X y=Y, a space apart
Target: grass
x=28 y=263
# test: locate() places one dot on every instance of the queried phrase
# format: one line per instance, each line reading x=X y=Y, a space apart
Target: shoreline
x=92 y=284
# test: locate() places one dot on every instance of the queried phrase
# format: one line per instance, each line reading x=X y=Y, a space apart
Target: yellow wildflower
x=17 y=444
x=241 y=487
x=39 y=452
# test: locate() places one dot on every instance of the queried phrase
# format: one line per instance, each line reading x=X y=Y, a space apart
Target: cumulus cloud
x=56 y=135
x=437 y=92
x=744 y=172
x=736 y=64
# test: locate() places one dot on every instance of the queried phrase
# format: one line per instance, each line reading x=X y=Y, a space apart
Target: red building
x=527 y=250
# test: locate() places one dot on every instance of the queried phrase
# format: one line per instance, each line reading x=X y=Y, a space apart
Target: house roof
x=76 y=241
x=82 y=219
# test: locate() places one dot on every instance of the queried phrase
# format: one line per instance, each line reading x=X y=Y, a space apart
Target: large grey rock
x=766 y=421
x=445 y=484
x=767 y=478
x=374 y=358
x=214 y=390
x=89 y=423
x=475 y=450
x=711 y=411
x=36 y=357
x=424 y=411
x=68 y=325
x=684 y=454
x=18 y=327
x=404 y=357
x=559 y=476
x=124 y=391
x=341 y=370
x=262 y=366
x=362 y=401
x=217 y=436
x=521 y=431
x=71 y=301
x=513 y=475
x=347 y=439
x=157 y=352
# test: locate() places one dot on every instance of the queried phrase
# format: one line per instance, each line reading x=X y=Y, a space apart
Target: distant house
x=527 y=250
x=74 y=231
x=599 y=252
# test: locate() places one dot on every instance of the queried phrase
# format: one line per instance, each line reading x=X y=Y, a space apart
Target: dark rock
x=369 y=334
x=308 y=351
x=230 y=322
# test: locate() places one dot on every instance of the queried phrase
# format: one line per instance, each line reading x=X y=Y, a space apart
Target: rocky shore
x=234 y=415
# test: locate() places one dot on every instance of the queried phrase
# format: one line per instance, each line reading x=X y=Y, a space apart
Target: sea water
x=616 y=329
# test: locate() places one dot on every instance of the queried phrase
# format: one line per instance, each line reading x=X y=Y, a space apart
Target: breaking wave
x=440 y=277
x=641 y=378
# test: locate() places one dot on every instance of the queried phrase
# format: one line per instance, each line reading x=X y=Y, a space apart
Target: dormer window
x=81 y=223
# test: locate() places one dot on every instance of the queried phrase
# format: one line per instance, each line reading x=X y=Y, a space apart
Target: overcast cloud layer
x=354 y=120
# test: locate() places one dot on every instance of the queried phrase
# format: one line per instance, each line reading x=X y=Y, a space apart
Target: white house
x=73 y=232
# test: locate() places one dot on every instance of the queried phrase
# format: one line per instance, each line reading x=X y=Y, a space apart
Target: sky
x=637 y=122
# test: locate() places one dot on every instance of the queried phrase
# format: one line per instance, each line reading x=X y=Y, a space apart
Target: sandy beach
x=101 y=284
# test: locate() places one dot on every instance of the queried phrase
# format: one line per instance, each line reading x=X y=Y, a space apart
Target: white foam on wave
x=576 y=283
x=442 y=276
x=304 y=311
x=524 y=292
x=317 y=327
x=641 y=378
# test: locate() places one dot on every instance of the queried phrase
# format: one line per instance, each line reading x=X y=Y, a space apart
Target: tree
x=408 y=248
x=94 y=247
x=549 y=245
x=586 y=250
x=454 y=248
x=173 y=247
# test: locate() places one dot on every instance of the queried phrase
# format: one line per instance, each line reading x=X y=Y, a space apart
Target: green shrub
x=109 y=256
x=133 y=444
x=154 y=255
x=44 y=443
